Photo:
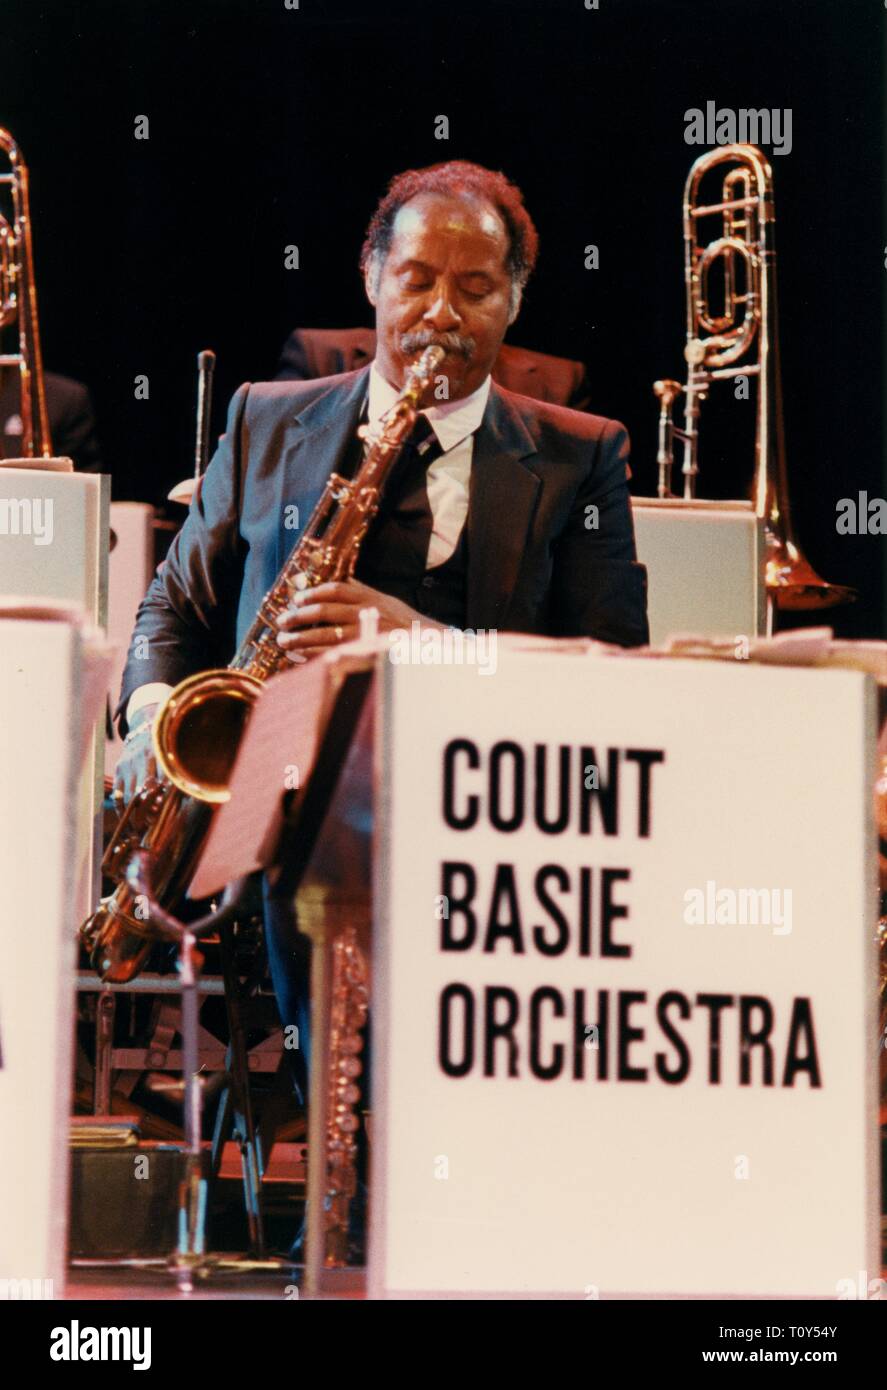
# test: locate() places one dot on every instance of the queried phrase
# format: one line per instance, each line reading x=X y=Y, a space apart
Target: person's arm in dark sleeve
x=78 y=439
x=187 y=620
x=599 y=589
x=580 y=388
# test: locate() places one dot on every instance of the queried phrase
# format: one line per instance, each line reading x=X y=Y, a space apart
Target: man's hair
x=457 y=179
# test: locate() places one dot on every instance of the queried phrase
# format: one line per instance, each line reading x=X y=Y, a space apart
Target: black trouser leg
x=289 y=959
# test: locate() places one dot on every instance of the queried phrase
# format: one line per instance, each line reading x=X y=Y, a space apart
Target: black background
x=271 y=127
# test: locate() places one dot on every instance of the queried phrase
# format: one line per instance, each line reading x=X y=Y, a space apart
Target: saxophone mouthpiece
x=420 y=373
x=428 y=361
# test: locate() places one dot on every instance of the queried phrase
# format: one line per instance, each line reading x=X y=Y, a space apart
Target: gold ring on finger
x=340 y=633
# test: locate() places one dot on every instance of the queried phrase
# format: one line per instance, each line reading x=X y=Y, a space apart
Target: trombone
x=741 y=339
x=18 y=304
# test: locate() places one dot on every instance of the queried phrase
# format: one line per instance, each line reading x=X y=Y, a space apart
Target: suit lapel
x=502 y=498
x=322 y=432
x=502 y=490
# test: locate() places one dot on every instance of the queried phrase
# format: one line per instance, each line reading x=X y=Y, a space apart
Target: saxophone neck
x=330 y=543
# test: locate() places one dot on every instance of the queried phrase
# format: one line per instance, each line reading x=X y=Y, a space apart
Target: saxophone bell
x=198 y=729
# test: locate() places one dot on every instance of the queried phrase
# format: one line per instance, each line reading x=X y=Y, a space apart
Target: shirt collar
x=452 y=421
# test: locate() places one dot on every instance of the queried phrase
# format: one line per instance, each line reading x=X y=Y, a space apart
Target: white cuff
x=150 y=694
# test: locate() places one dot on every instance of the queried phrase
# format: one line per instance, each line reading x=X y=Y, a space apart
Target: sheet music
x=277 y=755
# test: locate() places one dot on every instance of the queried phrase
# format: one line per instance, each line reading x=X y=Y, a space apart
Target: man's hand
x=137 y=762
x=329 y=613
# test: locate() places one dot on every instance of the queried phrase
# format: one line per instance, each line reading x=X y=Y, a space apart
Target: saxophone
x=198 y=728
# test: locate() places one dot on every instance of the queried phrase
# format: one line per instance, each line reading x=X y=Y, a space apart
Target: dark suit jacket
x=71 y=420
x=533 y=563
x=314 y=352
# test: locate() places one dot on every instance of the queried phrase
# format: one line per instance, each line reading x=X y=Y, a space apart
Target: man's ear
x=371 y=279
x=514 y=308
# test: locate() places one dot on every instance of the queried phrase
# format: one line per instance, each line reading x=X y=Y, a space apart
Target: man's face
x=444 y=281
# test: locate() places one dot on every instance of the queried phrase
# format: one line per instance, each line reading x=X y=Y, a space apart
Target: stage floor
x=113 y=1285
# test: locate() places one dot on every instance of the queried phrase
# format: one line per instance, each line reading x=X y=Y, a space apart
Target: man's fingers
x=132 y=780
x=132 y=772
x=315 y=638
x=348 y=591
x=301 y=646
x=122 y=783
x=314 y=614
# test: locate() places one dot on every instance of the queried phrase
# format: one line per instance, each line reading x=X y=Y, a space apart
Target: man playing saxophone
x=503 y=513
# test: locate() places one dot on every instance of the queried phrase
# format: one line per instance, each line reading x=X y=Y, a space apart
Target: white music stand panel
x=514 y=1157
x=39 y=750
x=705 y=564
x=59 y=549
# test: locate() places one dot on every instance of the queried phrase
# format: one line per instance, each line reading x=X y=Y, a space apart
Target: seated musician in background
x=510 y=513
x=313 y=352
x=72 y=425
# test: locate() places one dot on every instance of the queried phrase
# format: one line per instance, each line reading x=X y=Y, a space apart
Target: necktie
x=405 y=501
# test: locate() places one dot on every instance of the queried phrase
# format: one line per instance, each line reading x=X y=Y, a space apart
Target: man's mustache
x=411 y=343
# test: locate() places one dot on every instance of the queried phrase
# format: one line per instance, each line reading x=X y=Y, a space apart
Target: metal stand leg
x=190 y=1260
x=106 y=1008
x=235 y=1113
x=193 y=1187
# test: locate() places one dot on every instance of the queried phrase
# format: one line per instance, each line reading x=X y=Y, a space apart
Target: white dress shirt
x=454 y=423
